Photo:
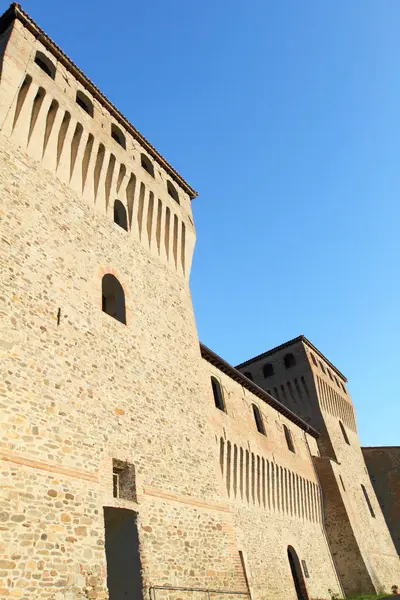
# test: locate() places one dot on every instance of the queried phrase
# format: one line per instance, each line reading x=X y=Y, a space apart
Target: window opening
x=248 y=375
x=147 y=164
x=258 y=419
x=113 y=298
x=344 y=433
x=124 y=480
x=268 y=370
x=45 y=64
x=289 y=439
x=218 y=395
x=118 y=136
x=120 y=217
x=83 y=101
x=289 y=360
x=172 y=191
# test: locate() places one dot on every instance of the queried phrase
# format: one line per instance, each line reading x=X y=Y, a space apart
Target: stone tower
x=302 y=378
x=100 y=358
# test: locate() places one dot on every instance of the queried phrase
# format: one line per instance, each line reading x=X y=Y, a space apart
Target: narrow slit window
x=314 y=360
x=118 y=136
x=258 y=419
x=113 y=298
x=268 y=370
x=147 y=164
x=45 y=64
x=83 y=101
x=115 y=483
x=289 y=438
x=218 y=395
x=368 y=501
x=344 y=433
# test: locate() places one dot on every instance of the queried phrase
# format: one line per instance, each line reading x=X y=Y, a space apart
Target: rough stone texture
x=316 y=390
x=80 y=390
x=383 y=464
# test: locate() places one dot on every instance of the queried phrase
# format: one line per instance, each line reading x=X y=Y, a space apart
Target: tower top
x=300 y=338
x=15 y=11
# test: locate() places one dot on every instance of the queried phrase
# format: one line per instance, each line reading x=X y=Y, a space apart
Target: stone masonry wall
x=383 y=465
x=312 y=388
x=273 y=493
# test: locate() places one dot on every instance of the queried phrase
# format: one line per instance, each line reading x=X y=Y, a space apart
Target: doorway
x=297 y=574
x=124 y=579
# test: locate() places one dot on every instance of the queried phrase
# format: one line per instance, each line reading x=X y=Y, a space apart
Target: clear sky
x=285 y=116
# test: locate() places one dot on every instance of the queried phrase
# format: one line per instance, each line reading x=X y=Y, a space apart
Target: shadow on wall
x=124 y=579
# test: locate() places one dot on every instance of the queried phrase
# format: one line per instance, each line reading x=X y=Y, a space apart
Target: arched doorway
x=297 y=574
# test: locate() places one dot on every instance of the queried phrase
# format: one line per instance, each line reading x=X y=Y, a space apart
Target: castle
x=135 y=462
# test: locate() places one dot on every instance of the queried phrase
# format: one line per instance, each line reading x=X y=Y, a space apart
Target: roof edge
x=300 y=338
x=15 y=11
x=226 y=368
x=380 y=447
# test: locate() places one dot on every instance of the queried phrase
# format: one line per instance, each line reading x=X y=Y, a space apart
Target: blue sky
x=285 y=116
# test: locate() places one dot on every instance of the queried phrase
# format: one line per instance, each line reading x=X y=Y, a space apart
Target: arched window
x=268 y=370
x=314 y=359
x=83 y=101
x=322 y=367
x=368 y=501
x=120 y=217
x=330 y=375
x=172 y=191
x=337 y=382
x=297 y=574
x=118 y=136
x=147 y=164
x=45 y=64
x=258 y=419
x=218 y=395
x=346 y=439
x=289 y=439
x=289 y=360
x=343 y=388
x=113 y=298
x=248 y=375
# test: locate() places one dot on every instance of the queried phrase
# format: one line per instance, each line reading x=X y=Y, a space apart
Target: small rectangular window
x=305 y=570
x=124 y=480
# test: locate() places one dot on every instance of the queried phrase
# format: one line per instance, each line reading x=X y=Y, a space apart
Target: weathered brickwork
x=303 y=379
x=383 y=464
x=87 y=400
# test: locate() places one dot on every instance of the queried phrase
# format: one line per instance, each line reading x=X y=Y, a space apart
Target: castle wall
x=350 y=472
x=313 y=388
x=273 y=494
x=80 y=389
x=383 y=465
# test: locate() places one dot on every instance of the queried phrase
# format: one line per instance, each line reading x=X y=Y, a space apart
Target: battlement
x=54 y=113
